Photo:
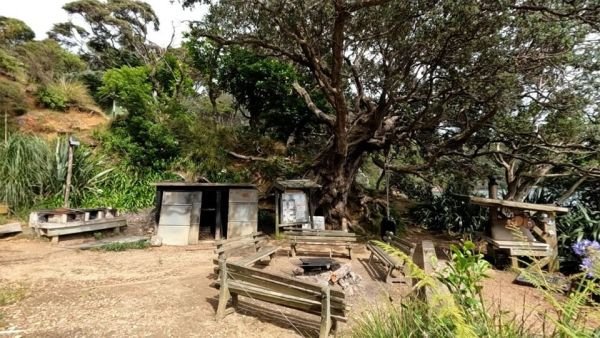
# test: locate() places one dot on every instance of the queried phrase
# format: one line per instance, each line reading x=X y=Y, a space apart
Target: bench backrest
x=330 y=235
x=226 y=247
x=269 y=286
x=402 y=244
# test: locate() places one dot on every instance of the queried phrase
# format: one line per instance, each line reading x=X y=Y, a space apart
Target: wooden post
x=69 y=176
x=5 y=126
x=325 y=312
x=218 y=221
x=277 y=206
x=310 y=210
x=224 y=294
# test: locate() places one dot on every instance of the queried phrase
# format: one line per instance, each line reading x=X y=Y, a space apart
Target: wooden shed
x=294 y=205
x=191 y=212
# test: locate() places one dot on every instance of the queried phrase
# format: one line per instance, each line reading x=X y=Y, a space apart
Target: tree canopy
x=436 y=76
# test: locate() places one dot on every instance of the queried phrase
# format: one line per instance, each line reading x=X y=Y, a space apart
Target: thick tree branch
x=312 y=106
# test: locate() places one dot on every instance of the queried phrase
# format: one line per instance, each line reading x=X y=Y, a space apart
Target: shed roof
x=203 y=185
x=491 y=202
x=296 y=184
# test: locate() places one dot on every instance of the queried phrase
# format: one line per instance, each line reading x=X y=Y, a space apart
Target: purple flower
x=586 y=263
x=580 y=247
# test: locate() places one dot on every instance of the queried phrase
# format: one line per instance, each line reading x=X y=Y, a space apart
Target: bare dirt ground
x=165 y=292
x=156 y=292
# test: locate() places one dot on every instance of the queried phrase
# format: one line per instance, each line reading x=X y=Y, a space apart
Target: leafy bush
x=449 y=212
x=580 y=223
x=10 y=66
x=52 y=97
x=45 y=61
x=12 y=98
x=463 y=313
x=63 y=94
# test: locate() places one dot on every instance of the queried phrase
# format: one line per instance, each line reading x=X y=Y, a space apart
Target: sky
x=40 y=15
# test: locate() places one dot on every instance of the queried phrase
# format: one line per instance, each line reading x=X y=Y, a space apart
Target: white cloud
x=40 y=15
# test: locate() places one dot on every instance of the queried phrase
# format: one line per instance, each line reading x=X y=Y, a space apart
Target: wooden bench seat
x=391 y=262
x=228 y=247
x=320 y=237
x=325 y=301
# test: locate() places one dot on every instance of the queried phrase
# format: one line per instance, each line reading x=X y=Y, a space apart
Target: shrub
x=11 y=66
x=52 y=97
x=12 y=98
x=449 y=212
x=462 y=313
x=580 y=223
x=45 y=61
x=63 y=94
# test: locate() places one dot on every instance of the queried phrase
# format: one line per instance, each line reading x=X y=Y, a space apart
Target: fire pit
x=327 y=271
x=311 y=265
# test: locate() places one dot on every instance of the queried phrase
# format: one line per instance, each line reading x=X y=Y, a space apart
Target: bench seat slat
x=322 y=239
x=264 y=252
x=300 y=303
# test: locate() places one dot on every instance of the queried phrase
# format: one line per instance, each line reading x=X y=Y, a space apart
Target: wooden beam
x=218 y=220
x=490 y=202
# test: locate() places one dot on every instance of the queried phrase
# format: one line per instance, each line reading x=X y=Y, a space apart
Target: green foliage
x=14 y=31
x=10 y=66
x=464 y=276
x=139 y=245
x=125 y=188
x=33 y=172
x=23 y=170
x=62 y=94
x=463 y=313
x=142 y=134
x=580 y=223
x=450 y=212
x=45 y=61
x=113 y=34
x=130 y=86
x=12 y=98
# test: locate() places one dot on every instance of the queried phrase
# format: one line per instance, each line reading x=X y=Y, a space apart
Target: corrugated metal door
x=176 y=216
x=243 y=212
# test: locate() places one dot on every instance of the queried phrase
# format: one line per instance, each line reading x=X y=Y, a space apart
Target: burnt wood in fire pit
x=318 y=264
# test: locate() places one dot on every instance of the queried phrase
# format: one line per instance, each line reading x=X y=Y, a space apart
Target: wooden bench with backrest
x=320 y=237
x=226 y=248
x=326 y=301
x=389 y=261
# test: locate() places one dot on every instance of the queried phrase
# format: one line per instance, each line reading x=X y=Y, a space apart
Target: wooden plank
x=322 y=239
x=290 y=281
x=264 y=252
x=100 y=225
x=3 y=209
x=232 y=240
x=516 y=244
x=325 y=313
x=10 y=228
x=282 y=289
x=314 y=232
x=490 y=202
x=385 y=258
x=248 y=290
x=532 y=253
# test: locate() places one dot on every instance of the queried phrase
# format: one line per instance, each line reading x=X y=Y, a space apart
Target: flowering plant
x=589 y=251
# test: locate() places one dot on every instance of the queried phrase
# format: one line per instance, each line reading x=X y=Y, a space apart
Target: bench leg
x=325 y=313
x=371 y=257
x=224 y=293
x=388 y=275
x=234 y=300
x=293 y=250
x=54 y=240
x=349 y=252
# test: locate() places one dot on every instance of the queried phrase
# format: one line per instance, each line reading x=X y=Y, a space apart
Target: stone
x=155 y=241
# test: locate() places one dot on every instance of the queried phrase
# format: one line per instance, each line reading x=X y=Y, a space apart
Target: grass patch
x=141 y=244
x=11 y=294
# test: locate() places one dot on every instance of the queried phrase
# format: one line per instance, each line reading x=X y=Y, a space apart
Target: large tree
x=402 y=73
x=113 y=33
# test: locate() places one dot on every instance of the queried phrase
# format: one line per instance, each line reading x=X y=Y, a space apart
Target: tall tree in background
x=114 y=34
x=14 y=31
x=431 y=73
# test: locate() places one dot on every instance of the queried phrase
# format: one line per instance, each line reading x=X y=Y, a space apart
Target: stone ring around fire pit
x=327 y=271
